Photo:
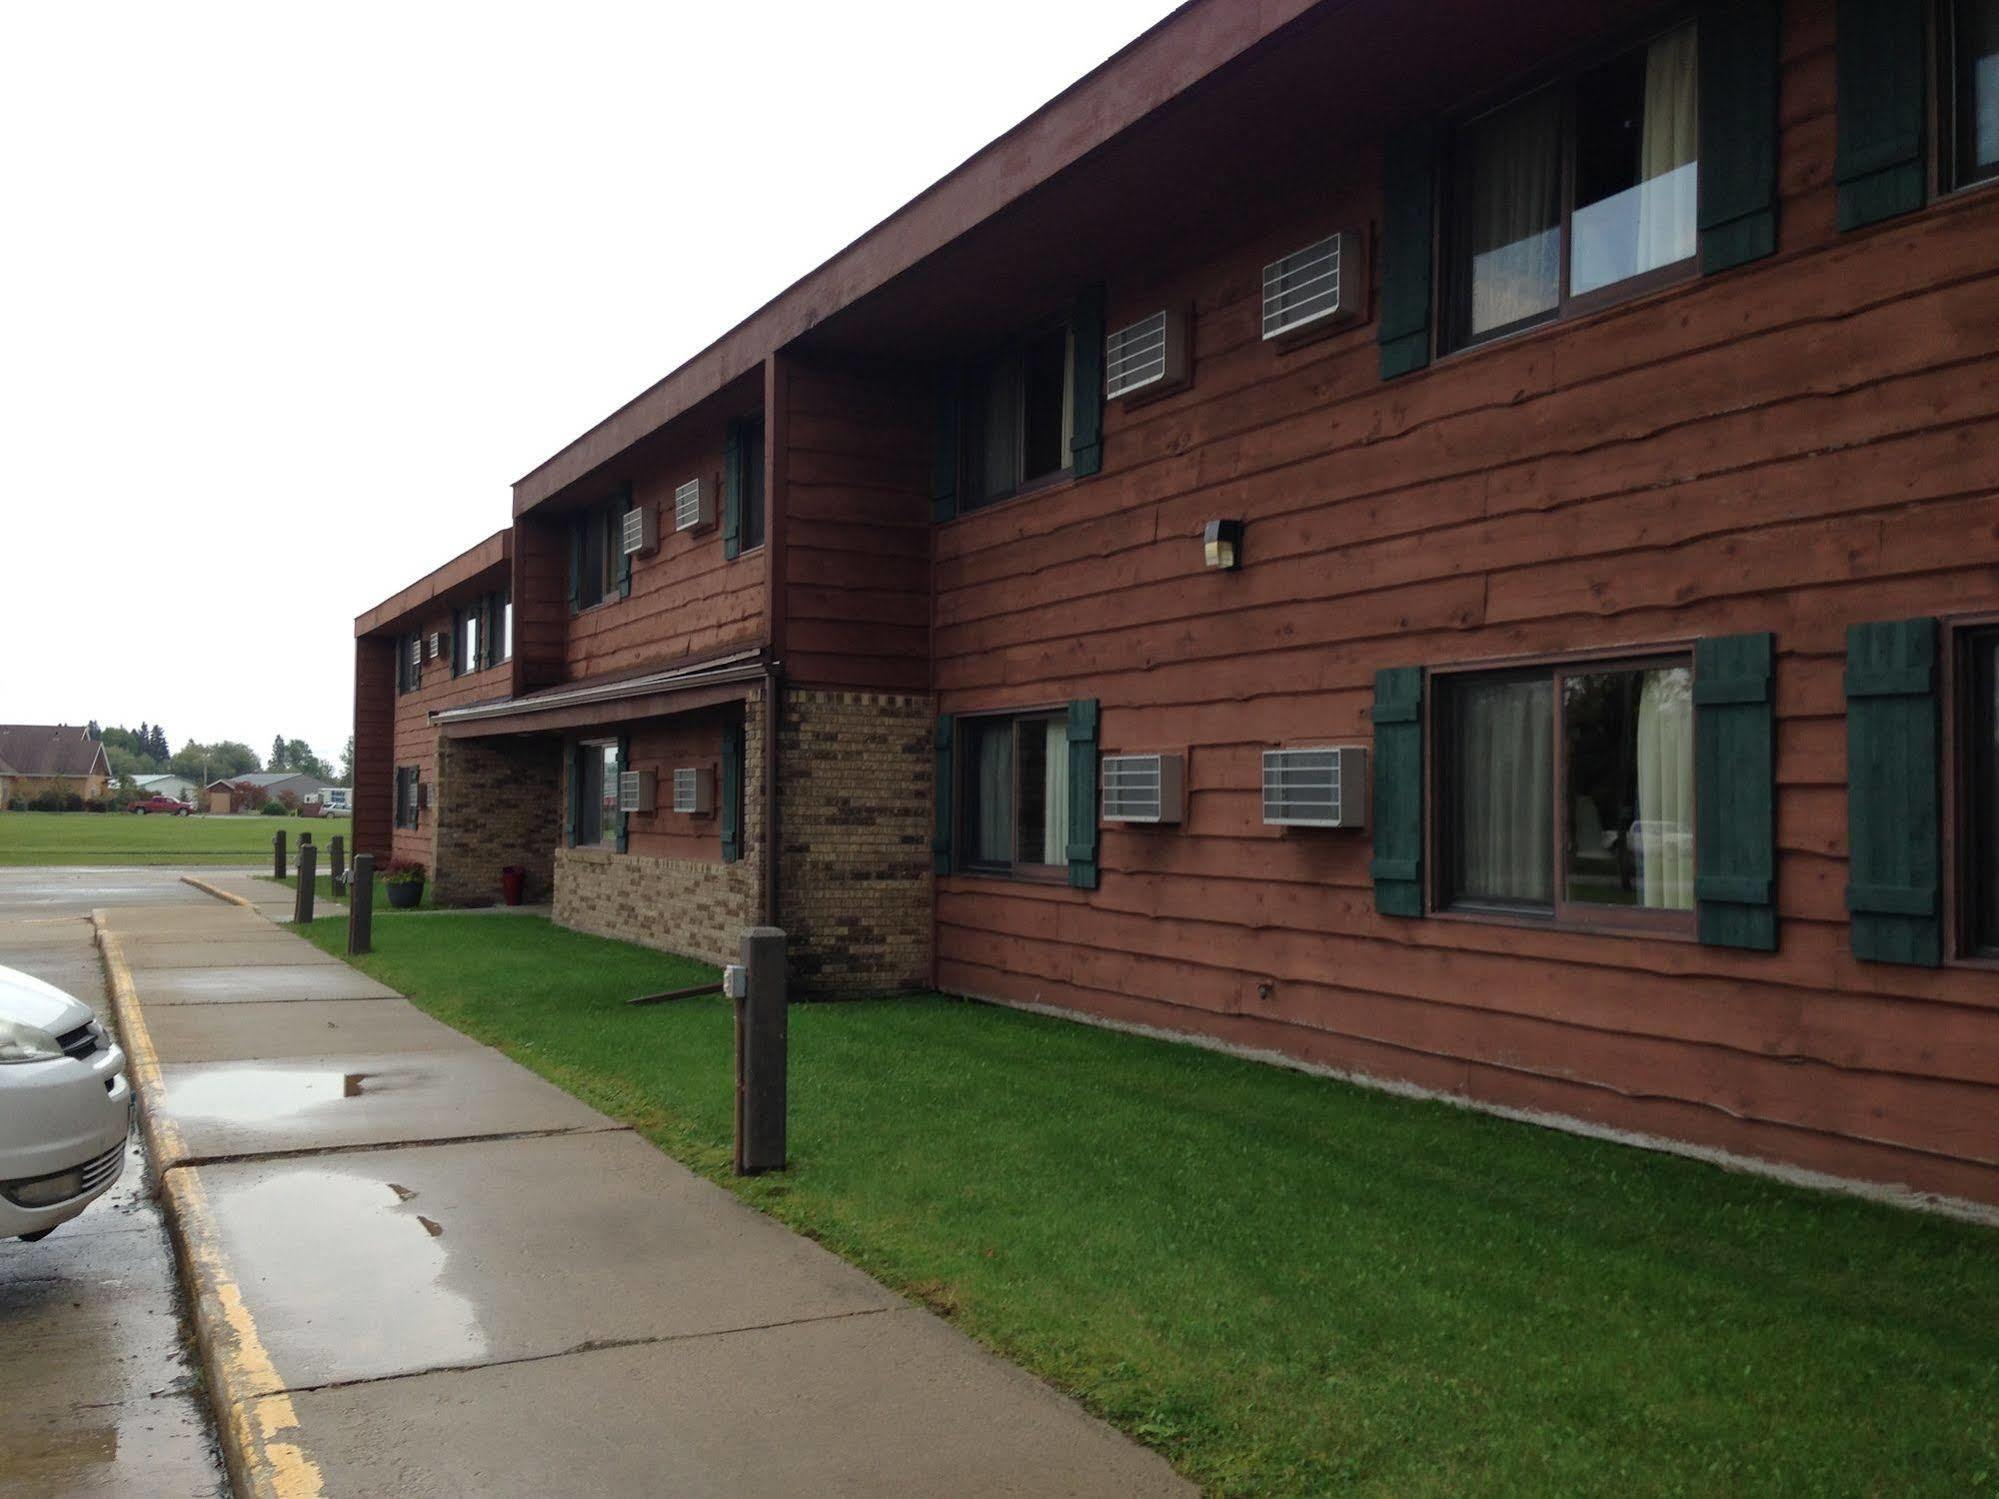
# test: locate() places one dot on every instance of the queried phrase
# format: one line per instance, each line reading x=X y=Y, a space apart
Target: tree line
x=143 y=752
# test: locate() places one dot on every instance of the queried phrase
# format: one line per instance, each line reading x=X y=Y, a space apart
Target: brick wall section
x=854 y=885
x=499 y=802
x=698 y=907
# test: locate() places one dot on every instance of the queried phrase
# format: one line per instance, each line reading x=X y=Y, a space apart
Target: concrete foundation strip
x=254 y=1426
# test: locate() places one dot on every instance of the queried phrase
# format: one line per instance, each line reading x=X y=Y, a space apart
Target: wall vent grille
x=1310 y=286
x=1142 y=788
x=1315 y=787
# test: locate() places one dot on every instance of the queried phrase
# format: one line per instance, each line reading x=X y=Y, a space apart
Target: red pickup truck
x=170 y=805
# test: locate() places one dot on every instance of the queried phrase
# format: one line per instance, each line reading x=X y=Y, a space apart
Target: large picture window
x=1575 y=194
x=596 y=770
x=1979 y=823
x=1017 y=420
x=1016 y=794
x=1569 y=791
x=1971 y=91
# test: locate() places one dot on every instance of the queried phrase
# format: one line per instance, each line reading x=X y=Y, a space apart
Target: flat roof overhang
x=490 y=555
x=680 y=689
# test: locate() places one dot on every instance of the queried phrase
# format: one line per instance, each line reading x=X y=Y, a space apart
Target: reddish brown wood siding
x=416 y=735
x=857 y=569
x=662 y=746
x=1791 y=447
x=374 y=743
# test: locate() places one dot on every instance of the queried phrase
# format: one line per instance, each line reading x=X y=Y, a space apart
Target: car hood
x=28 y=1000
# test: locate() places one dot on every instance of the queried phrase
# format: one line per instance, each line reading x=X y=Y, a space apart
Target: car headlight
x=26 y=1043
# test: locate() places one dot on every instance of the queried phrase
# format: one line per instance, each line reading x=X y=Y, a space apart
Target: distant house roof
x=30 y=749
x=264 y=780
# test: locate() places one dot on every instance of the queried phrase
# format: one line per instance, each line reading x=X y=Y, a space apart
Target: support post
x=278 y=854
x=308 y=868
x=761 y=1044
x=361 y=905
x=336 y=862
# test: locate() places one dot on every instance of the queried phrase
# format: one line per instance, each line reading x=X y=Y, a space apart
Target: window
x=753 y=482
x=596 y=793
x=406 y=796
x=1971 y=92
x=1569 y=791
x=1980 y=819
x=596 y=555
x=409 y=663
x=506 y=631
x=468 y=639
x=1017 y=417
x=1016 y=794
x=1586 y=186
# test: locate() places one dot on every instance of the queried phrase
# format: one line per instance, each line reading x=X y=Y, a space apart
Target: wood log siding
x=1793 y=446
x=414 y=741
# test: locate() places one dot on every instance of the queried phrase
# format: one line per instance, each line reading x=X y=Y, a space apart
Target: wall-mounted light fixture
x=1222 y=542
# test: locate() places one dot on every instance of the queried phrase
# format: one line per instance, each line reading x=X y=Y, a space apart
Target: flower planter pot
x=405 y=894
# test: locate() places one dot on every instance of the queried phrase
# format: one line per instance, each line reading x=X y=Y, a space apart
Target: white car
x=65 y=1107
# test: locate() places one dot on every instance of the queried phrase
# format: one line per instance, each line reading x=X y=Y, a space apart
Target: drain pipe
x=772 y=693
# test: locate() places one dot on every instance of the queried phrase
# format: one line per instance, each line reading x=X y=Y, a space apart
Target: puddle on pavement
x=347 y=1278
x=254 y=1095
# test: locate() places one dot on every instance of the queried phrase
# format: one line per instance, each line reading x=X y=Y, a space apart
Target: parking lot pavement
x=98 y=1380
x=420 y=1268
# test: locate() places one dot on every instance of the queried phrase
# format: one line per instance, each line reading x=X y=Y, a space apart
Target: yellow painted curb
x=253 y=1418
x=218 y=892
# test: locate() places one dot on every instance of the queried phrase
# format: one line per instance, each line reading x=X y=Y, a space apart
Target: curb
x=234 y=1360
x=218 y=892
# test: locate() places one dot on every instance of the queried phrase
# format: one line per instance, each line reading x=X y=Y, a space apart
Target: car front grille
x=82 y=1042
x=101 y=1170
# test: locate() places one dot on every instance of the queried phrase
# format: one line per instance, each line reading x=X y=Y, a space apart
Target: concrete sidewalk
x=418 y=1268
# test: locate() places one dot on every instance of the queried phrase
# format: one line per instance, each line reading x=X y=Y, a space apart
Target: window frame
x=971 y=462
x=467 y=649
x=1560 y=914
x=1947 y=181
x=1959 y=804
x=1454 y=187
x=607 y=835
x=608 y=516
x=407 y=810
x=965 y=773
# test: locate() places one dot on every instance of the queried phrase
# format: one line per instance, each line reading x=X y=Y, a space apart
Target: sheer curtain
x=1669 y=143
x=1505 y=812
x=995 y=769
x=1516 y=213
x=1665 y=842
x=1055 y=794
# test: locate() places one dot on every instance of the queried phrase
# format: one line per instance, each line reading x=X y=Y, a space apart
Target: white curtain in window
x=1506 y=791
x=1516 y=213
x=1055 y=793
x=1667 y=151
x=1664 y=845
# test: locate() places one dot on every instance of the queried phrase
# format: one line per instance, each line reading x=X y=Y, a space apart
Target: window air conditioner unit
x=636 y=790
x=1143 y=788
x=693 y=506
x=440 y=644
x=694 y=790
x=1148 y=358
x=1315 y=787
x=641 y=531
x=1321 y=284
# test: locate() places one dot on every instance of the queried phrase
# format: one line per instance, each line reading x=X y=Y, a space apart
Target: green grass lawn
x=122 y=838
x=1289 y=1285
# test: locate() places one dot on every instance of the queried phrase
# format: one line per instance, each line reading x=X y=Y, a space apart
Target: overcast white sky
x=292 y=294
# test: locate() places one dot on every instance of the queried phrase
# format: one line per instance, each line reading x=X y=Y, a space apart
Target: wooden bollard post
x=308 y=860
x=336 y=861
x=278 y=854
x=361 y=905
x=761 y=1044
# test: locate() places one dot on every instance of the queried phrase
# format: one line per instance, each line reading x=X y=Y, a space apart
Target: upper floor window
x=506 y=630
x=1016 y=419
x=1578 y=193
x=1569 y=791
x=409 y=663
x=753 y=482
x=468 y=639
x=1971 y=91
x=596 y=555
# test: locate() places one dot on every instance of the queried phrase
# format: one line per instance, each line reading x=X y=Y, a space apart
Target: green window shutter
x=576 y=525
x=1086 y=334
x=733 y=482
x=1083 y=793
x=1397 y=868
x=624 y=508
x=1883 y=57
x=944 y=472
x=574 y=796
x=1735 y=792
x=1893 y=793
x=940 y=838
x=616 y=789
x=732 y=793
x=1408 y=191
x=1738 y=132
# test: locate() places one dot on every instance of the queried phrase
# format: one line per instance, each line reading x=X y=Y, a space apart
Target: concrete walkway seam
x=233 y=1356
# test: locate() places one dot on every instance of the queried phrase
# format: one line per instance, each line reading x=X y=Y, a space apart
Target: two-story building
x=1456 y=544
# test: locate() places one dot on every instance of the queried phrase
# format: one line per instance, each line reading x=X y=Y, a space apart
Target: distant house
x=50 y=757
x=248 y=793
x=178 y=787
